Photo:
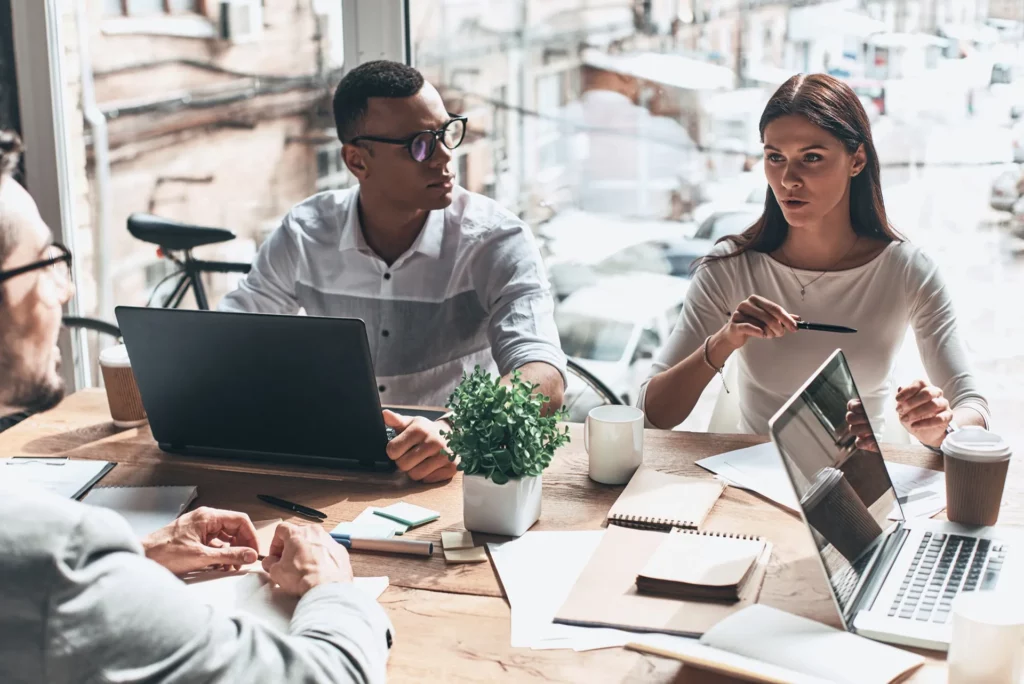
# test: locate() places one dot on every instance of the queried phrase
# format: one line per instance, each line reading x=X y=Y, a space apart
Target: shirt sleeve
x=705 y=311
x=269 y=287
x=509 y=278
x=938 y=341
x=115 y=616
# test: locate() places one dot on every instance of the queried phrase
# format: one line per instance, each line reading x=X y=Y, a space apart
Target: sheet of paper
x=759 y=469
x=538 y=571
x=59 y=476
x=779 y=638
x=250 y=592
x=459 y=539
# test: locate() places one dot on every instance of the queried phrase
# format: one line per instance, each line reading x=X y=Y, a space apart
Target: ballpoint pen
x=293 y=507
x=406 y=546
x=820 y=327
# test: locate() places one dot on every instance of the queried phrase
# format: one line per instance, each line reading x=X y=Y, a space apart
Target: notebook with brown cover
x=660 y=501
x=605 y=593
x=710 y=566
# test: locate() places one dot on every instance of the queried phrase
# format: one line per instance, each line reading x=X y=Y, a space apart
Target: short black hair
x=380 y=78
x=10 y=154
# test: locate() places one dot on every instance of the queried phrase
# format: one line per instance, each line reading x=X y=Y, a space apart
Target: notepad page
x=791 y=641
x=704 y=560
x=58 y=476
x=653 y=495
x=146 y=509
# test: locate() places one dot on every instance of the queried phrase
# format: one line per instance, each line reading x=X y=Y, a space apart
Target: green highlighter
x=408 y=514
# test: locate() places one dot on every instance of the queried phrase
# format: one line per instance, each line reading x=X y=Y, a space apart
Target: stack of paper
x=920 y=492
x=58 y=476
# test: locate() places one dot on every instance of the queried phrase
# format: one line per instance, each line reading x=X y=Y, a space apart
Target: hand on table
x=305 y=556
x=201 y=539
x=417 y=449
x=758 y=317
x=924 y=412
x=857 y=420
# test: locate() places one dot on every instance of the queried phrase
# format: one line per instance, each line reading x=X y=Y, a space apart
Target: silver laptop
x=892 y=579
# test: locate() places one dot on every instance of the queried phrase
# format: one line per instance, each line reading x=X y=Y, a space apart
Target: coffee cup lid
x=974 y=443
x=115 y=357
x=824 y=482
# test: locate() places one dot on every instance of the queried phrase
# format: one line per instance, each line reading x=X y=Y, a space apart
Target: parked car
x=1006 y=190
x=614 y=328
x=681 y=254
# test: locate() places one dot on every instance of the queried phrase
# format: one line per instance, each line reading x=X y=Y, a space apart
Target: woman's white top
x=899 y=287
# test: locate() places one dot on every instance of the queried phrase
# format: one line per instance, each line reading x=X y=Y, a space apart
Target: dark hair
x=10 y=155
x=832 y=105
x=380 y=78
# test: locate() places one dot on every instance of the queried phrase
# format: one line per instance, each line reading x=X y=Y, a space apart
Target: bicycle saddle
x=174 y=235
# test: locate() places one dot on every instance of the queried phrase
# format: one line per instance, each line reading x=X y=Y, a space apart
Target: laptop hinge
x=877 y=571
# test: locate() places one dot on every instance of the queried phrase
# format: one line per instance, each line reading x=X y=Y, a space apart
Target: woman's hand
x=757 y=317
x=924 y=412
x=859 y=427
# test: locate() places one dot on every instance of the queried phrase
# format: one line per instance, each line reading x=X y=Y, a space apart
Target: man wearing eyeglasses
x=445 y=279
x=82 y=600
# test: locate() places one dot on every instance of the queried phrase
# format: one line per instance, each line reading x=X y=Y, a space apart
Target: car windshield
x=594 y=339
x=720 y=225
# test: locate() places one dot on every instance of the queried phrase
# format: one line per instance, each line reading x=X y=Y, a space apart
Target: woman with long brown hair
x=822 y=251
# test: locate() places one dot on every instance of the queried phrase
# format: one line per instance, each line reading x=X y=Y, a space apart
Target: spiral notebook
x=605 y=594
x=660 y=501
x=714 y=566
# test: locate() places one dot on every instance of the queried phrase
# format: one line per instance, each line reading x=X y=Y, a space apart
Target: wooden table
x=452 y=621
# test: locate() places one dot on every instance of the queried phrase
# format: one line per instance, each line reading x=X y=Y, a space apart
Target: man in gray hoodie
x=82 y=600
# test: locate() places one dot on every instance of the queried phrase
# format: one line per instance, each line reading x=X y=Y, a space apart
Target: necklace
x=804 y=286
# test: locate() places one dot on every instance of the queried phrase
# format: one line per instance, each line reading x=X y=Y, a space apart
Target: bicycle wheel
x=92 y=324
x=585 y=391
x=93 y=335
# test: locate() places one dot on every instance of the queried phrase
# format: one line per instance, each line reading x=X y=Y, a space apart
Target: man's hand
x=305 y=556
x=203 y=538
x=417 y=448
x=924 y=412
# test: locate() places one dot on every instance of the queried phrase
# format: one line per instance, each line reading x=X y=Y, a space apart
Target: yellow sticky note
x=457 y=540
x=474 y=555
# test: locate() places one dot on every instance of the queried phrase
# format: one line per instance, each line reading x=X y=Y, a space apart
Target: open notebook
x=250 y=591
x=660 y=501
x=146 y=509
x=701 y=565
x=763 y=644
x=605 y=594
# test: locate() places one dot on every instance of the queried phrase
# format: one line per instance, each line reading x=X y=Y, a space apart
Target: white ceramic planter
x=509 y=509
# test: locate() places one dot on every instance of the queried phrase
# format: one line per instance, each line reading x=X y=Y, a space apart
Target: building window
x=550 y=96
x=331 y=172
x=144 y=8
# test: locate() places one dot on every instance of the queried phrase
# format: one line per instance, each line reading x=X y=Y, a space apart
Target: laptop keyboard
x=945 y=565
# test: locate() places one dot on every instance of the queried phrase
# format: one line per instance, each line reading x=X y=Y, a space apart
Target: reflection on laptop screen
x=845 y=492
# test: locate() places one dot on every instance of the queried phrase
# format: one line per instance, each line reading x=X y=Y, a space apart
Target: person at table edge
x=824 y=251
x=83 y=601
x=444 y=279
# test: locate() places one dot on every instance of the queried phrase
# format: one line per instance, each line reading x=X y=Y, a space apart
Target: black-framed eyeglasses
x=421 y=145
x=58 y=260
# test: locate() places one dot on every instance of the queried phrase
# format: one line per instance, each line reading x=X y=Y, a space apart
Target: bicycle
x=174 y=236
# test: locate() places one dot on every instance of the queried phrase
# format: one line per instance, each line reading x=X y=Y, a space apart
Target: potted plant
x=504 y=443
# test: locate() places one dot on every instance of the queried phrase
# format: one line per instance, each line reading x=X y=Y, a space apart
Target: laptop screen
x=844 y=491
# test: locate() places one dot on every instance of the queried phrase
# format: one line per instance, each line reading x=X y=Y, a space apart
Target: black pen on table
x=293 y=507
x=821 y=327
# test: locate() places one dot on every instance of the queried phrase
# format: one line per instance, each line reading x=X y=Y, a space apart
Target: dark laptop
x=290 y=389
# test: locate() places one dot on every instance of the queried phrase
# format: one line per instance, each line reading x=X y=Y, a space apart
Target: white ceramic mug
x=614 y=439
x=988 y=627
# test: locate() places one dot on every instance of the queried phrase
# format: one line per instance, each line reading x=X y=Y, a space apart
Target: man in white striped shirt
x=444 y=279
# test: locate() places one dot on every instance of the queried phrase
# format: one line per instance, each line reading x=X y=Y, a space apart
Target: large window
x=624 y=132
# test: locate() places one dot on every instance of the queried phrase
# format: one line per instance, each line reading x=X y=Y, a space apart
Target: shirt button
x=381 y=388
x=385 y=333
x=387 y=276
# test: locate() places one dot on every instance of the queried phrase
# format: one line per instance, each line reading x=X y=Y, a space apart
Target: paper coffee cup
x=976 y=462
x=833 y=508
x=613 y=437
x=122 y=392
